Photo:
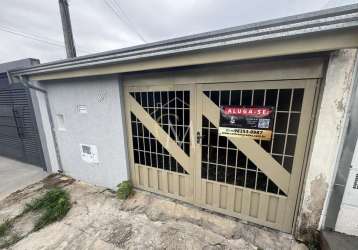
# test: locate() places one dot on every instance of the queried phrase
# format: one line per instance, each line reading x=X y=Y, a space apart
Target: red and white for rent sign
x=254 y=122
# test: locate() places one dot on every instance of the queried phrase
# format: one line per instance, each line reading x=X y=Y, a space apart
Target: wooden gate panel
x=256 y=206
x=159 y=139
x=261 y=183
x=162 y=181
x=160 y=135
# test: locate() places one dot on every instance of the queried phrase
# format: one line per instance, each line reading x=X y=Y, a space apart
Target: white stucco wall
x=101 y=126
x=327 y=141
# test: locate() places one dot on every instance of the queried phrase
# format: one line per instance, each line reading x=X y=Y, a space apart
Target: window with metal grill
x=223 y=162
x=171 y=110
x=150 y=152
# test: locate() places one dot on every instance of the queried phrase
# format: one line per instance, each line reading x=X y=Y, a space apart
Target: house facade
x=152 y=114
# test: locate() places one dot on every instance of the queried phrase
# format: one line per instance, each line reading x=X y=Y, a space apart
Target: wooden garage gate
x=173 y=120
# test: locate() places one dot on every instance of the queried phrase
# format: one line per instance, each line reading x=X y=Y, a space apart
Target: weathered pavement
x=16 y=175
x=98 y=220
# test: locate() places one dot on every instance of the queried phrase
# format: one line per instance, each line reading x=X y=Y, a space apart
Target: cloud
x=98 y=28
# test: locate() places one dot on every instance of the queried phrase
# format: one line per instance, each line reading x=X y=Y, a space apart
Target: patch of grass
x=313 y=245
x=11 y=241
x=53 y=206
x=125 y=189
x=5 y=228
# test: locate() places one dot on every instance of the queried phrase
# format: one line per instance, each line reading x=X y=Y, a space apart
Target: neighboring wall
x=327 y=142
x=346 y=183
x=88 y=111
x=19 y=133
x=347 y=220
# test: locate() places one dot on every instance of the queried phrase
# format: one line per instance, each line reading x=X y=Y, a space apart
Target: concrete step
x=337 y=241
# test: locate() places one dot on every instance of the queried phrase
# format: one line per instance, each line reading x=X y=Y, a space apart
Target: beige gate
x=254 y=180
x=160 y=118
x=176 y=150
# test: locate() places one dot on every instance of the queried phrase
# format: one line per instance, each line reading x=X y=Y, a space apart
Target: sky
x=32 y=28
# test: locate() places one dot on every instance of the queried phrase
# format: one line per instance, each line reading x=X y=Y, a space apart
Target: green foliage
x=313 y=245
x=5 y=227
x=125 y=189
x=11 y=241
x=53 y=206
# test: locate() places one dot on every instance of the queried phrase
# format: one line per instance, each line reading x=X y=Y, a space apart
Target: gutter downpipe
x=26 y=83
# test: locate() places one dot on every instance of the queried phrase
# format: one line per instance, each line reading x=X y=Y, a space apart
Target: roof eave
x=311 y=24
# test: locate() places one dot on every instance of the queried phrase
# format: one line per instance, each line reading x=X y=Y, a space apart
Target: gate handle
x=198 y=137
x=19 y=123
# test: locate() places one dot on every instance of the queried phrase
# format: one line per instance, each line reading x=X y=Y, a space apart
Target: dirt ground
x=98 y=220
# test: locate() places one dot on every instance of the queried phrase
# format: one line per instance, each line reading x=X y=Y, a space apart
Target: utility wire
x=118 y=11
x=19 y=33
x=36 y=37
x=117 y=3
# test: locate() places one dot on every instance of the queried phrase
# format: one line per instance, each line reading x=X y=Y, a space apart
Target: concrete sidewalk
x=99 y=220
x=15 y=175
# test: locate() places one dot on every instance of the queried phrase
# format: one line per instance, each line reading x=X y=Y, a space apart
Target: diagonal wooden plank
x=168 y=143
x=263 y=160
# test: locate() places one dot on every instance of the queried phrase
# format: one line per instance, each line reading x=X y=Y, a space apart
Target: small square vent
x=82 y=109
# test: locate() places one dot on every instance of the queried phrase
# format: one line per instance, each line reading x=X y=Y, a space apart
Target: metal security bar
x=148 y=151
x=223 y=162
x=171 y=110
